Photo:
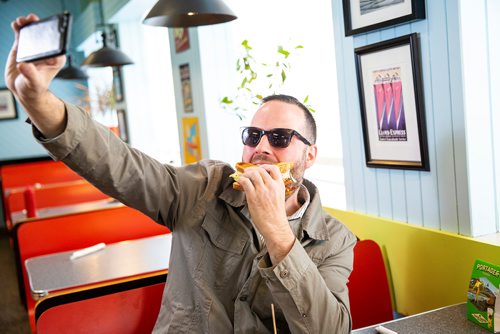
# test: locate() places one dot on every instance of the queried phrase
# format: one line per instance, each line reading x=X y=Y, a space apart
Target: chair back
x=126 y=308
x=369 y=294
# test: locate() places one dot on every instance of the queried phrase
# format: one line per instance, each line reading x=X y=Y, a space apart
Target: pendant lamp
x=106 y=56
x=188 y=13
x=71 y=72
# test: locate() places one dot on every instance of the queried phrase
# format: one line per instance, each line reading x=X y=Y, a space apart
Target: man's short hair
x=310 y=122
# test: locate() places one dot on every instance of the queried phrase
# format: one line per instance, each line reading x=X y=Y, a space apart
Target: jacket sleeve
x=313 y=293
x=160 y=191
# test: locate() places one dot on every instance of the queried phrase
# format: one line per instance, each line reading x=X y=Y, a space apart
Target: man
x=235 y=255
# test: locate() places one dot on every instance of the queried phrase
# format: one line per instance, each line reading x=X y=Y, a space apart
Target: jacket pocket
x=223 y=249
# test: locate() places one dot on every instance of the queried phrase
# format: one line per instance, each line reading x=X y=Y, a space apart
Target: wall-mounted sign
x=192 y=140
x=187 y=96
x=181 y=37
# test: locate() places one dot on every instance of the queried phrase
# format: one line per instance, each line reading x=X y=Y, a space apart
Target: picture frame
x=181 y=39
x=117 y=84
x=391 y=104
x=122 y=125
x=187 y=90
x=8 y=107
x=366 y=15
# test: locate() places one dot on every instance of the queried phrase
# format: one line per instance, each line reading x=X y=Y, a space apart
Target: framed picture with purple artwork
x=391 y=103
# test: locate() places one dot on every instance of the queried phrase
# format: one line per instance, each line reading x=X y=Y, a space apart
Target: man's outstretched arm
x=29 y=82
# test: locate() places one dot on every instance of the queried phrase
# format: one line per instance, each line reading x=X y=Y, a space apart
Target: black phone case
x=65 y=22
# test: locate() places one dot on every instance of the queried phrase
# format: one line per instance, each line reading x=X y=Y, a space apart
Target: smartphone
x=45 y=38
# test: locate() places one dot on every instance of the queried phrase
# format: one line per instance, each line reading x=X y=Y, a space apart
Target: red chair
x=369 y=294
x=127 y=307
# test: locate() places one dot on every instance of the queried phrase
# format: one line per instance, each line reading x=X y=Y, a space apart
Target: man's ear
x=312 y=153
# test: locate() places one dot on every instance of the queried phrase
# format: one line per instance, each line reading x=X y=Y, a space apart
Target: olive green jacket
x=219 y=281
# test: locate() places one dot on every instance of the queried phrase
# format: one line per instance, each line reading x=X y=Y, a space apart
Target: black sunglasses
x=278 y=137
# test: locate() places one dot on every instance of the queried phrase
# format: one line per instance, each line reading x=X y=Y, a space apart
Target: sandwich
x=284 y=167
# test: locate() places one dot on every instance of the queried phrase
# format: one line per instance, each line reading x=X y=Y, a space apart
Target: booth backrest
x=99 y=312
x=49 y=196
x=43 y=172
x=369 y=293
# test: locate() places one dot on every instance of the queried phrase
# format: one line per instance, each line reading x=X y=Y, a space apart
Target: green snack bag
x=483 y=306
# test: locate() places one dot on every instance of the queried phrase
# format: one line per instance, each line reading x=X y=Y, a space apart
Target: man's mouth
x=262 y=160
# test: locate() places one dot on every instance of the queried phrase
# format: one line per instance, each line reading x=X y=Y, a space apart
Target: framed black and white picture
x=366 y=15
x=8 y=108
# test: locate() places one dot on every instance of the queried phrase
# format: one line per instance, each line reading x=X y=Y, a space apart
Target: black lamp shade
x=71 y=72
x=107 y=56
x=188 y=13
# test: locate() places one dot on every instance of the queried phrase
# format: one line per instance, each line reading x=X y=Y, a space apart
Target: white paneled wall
x=441 y=198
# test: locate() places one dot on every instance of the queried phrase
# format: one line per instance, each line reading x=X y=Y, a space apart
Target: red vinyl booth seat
x=130 y=310
x=369 y=294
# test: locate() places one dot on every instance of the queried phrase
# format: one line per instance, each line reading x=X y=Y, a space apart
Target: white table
x=20 y=216
x=446 y=320
x=49 y=273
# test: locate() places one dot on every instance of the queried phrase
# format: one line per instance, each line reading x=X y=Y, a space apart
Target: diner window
x=269 y=24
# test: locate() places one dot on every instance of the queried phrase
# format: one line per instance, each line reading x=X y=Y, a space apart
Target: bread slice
x=284 y=167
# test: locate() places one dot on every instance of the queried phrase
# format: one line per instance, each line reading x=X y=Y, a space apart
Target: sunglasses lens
x=280 y=137
x=251 y=136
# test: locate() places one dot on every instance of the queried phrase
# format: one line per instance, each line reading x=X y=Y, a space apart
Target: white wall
x=149 y=89
x=441 y=198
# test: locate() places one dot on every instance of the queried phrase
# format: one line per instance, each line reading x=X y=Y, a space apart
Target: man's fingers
x=24 y=20
x=28 y=70
x=273 y=170
x=246 y=184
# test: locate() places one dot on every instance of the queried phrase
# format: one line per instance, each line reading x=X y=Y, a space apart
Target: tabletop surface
x=446 y=320
x=57 y=271
x=20 y=216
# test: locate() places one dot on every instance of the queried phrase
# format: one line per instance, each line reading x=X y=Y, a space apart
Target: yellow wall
x=428 y=268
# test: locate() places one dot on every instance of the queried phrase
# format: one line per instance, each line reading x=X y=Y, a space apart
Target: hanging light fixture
x=188 y=13
x=106 y=56
x=71 y=72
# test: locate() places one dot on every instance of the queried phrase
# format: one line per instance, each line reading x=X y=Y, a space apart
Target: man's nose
x=264 y=146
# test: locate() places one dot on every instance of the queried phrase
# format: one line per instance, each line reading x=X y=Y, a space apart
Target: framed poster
x=181 y=38
x=122 y=124
x=8 y=108
x=192 y=140
x=365 y=15
x=391 y=101
x=117 y=84
x=187 y=92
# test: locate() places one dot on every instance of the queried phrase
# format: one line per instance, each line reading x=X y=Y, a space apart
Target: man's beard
x=298 y=170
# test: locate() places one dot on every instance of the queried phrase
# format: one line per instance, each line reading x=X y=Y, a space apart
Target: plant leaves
x=284 y=52
x=245 y=45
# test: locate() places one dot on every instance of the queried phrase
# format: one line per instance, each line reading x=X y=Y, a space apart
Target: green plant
x=102 y=101
x=259 y=79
